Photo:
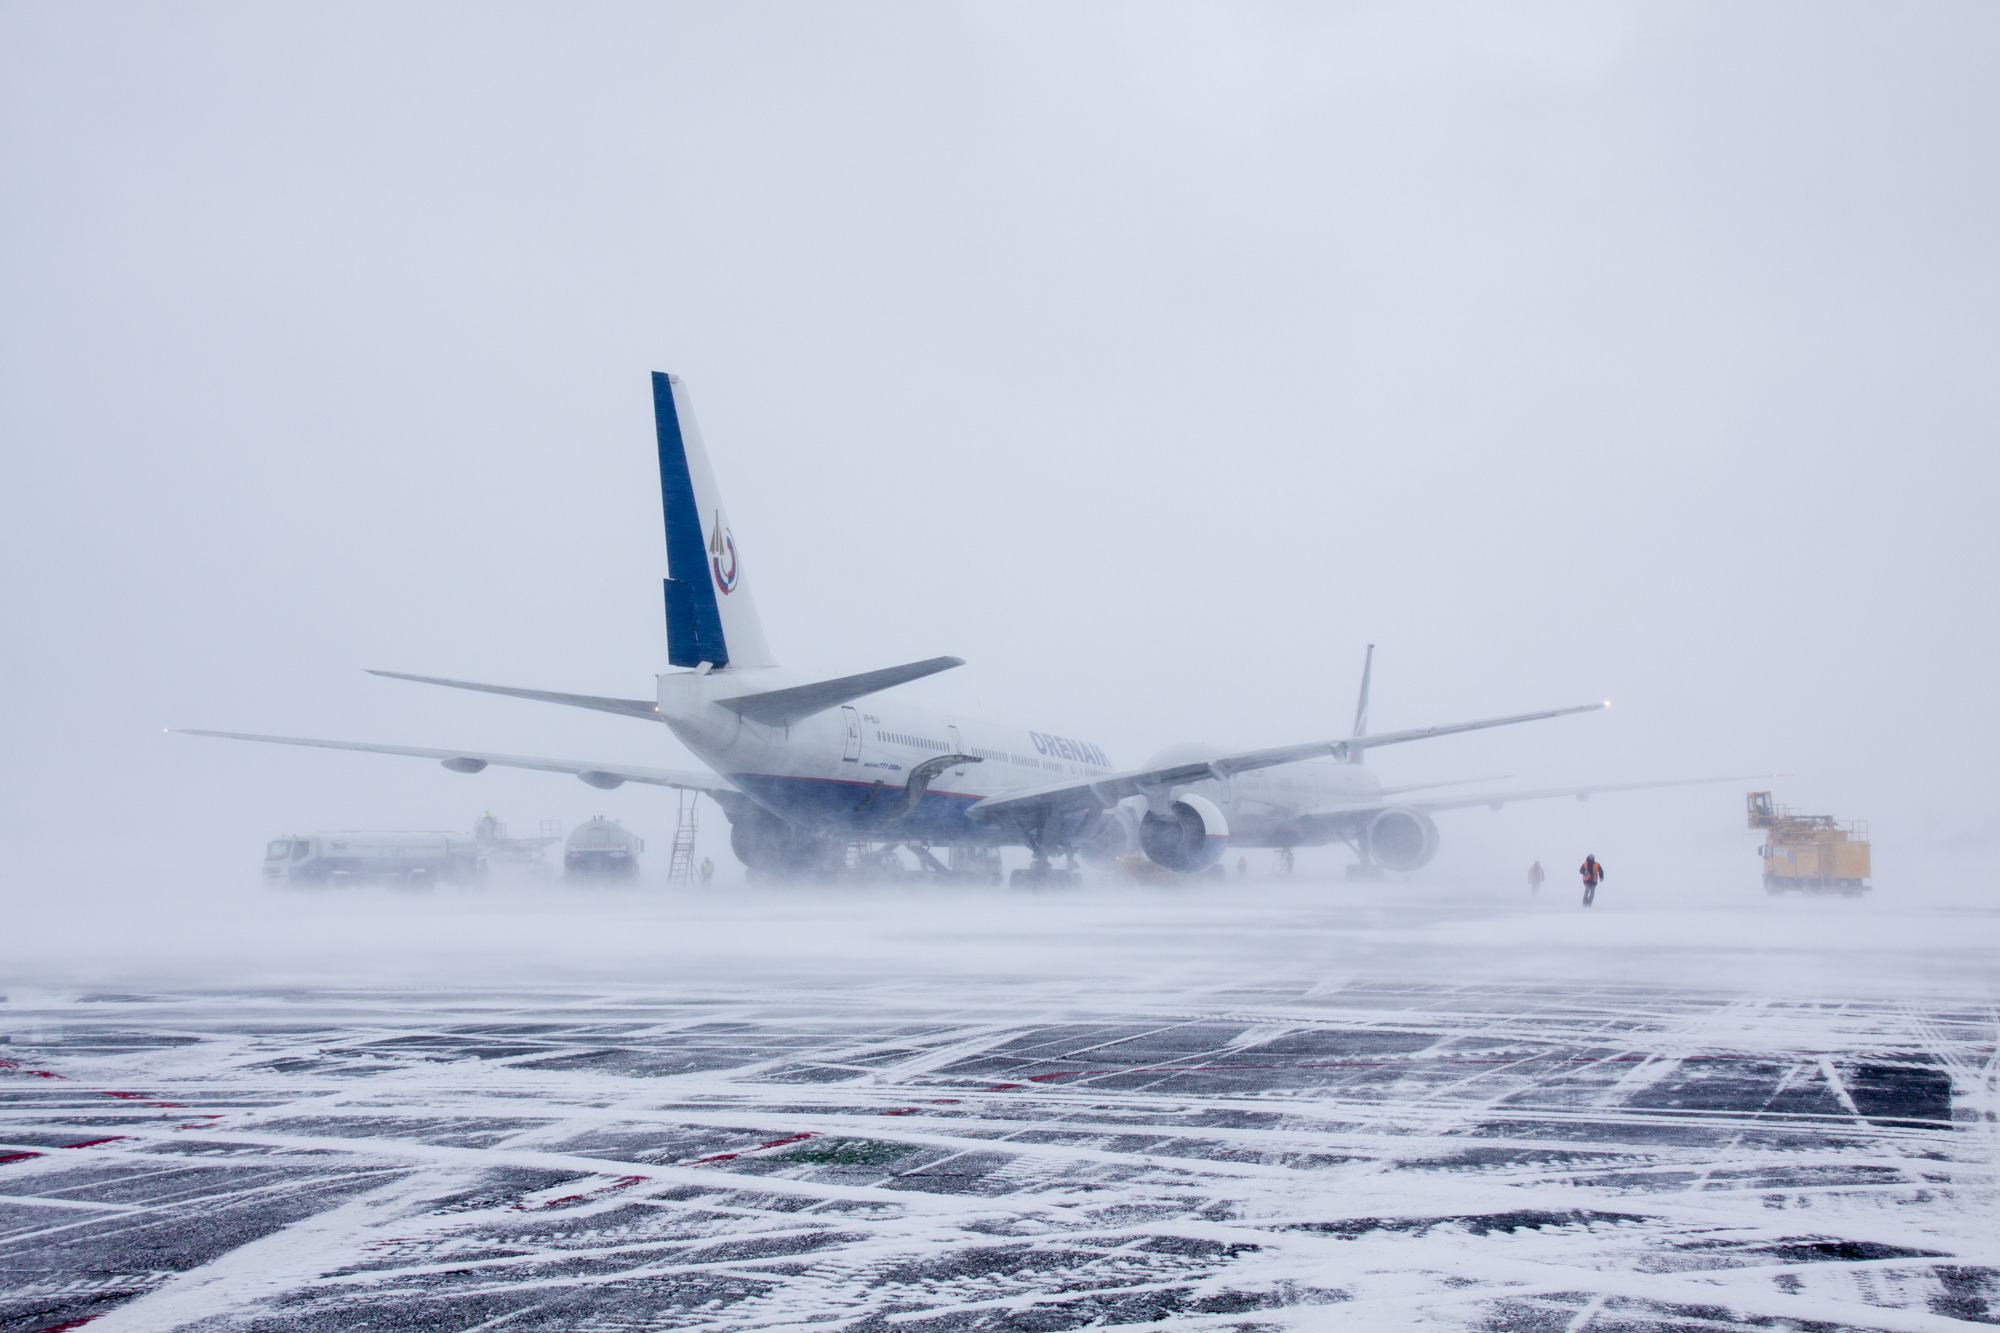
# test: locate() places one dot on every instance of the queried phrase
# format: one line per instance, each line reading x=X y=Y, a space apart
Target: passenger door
x=851 y=719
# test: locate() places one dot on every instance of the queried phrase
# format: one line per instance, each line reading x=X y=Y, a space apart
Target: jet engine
x=766 y=843
x=1191 y=836
x=1400 y=838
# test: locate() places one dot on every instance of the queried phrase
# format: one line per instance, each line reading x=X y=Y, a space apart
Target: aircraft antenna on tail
x=1361 y=705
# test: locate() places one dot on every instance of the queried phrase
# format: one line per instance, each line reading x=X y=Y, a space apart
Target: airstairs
x=680 y=869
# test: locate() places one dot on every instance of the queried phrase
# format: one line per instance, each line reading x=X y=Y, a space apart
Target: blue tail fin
x=711 y=616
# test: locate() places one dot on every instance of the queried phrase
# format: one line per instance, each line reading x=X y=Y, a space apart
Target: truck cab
x=282 y=854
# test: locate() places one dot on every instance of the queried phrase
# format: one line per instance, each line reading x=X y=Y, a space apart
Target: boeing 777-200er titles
x=803 y=767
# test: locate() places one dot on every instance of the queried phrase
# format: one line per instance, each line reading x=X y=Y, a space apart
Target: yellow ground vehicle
x=1810 y=853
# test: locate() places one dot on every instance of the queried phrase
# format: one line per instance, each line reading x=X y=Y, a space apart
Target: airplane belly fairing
x=863 y=809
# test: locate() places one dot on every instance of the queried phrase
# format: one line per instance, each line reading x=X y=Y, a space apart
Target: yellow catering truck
x=1810 y=853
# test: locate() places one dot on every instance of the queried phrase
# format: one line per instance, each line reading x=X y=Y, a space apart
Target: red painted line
x=732 y=1156
x=67 y=1324
x=907 y=1110
x=17 y=1156
x=92 y=1143
x=47 y=1073
x=38 y=1073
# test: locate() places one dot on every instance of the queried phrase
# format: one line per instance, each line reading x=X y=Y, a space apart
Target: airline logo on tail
x=722 y=557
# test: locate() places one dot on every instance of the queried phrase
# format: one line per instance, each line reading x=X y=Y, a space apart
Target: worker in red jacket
x=1535 y=877
x=1592 y=873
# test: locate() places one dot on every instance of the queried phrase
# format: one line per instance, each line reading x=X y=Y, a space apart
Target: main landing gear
x=1042 y=875
x=1045 y=842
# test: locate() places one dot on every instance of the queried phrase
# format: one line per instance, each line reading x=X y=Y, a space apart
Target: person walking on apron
x=1535 y=877
x=1592 y=874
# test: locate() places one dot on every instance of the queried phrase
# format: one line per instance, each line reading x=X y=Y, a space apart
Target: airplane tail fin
x=711 y=614
x=1361 y=706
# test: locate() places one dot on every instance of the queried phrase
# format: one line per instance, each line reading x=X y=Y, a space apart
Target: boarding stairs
x=680 y=867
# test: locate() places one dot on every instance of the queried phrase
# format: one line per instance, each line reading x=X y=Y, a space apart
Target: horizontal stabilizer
x=604 y=776
x=781 y=708
x=645 y=708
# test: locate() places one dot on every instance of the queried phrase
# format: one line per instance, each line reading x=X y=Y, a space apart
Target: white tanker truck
x=354 y=857
x=602 y=848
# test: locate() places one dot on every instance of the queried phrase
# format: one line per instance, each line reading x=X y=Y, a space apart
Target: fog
x=1114 y=944
x=1153 y=359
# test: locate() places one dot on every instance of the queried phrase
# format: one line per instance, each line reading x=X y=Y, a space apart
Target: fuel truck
x=356 y=857
x=601 y=848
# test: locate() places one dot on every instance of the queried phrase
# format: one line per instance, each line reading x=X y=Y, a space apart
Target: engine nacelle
x=1401 y=838
x=1191 y=836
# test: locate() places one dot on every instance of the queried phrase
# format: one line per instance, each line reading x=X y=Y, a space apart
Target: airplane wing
x=1433 y=786
x=604 y=776
x=1500 y=798
x=1338 y=821
x=1107 y=791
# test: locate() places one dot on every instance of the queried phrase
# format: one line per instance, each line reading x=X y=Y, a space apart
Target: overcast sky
x=1152 y=358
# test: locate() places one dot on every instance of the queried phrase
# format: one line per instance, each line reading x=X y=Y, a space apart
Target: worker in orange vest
x=1592 y=873
x=1535 y=877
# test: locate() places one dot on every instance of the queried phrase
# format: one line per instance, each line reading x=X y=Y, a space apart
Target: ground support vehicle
x=516 y=855
x=351 y=856
x=1810 y=853
x=602 y=848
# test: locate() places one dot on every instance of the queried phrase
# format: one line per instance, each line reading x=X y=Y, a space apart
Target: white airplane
x=801 y=767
